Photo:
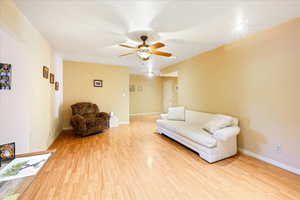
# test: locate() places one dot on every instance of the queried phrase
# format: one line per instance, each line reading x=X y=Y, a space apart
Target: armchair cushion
x=78 y=122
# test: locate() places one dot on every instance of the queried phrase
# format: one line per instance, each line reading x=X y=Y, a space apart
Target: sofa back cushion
x=194 y=117
x=176 y=113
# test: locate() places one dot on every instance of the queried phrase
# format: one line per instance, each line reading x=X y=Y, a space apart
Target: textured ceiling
x=90 y=30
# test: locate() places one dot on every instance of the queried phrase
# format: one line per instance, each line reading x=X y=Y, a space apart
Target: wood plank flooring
x=135 y=163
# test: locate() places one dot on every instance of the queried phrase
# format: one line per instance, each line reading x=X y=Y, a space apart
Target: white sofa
x=189 y=131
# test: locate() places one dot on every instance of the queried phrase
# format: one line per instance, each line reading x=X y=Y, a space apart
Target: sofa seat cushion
x=197 y=134
x=92 y=120
x=193 y=132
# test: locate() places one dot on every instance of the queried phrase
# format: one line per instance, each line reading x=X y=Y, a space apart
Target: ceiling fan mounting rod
x=144 y=38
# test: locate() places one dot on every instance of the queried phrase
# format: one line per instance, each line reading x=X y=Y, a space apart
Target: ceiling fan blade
x=160 y=53
x=126 y=54
x=127 y=46
x=157 y=45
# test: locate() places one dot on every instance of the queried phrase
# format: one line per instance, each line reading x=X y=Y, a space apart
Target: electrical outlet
x=278 y=148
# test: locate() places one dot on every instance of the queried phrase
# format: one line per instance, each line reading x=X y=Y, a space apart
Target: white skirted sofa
x=212 y=136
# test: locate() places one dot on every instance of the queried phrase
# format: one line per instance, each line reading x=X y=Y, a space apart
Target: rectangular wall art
x=7 y=151
x=56 y=85
x=140 y=88
x=132 y=88
x=5 y=76
x=51 y=78
x=98 y=83
x=45 y=72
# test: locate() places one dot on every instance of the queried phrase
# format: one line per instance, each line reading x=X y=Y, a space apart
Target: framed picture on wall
x=5 y=76
x=132 y=88
x=140 y=88
x=56 y=85
x=45 y=72
x=98 y=83
x=51 y=78
x=8 y=151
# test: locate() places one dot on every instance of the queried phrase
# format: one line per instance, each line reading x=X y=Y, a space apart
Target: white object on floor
x=113 y=121
x=210 y=146
x=30 y=166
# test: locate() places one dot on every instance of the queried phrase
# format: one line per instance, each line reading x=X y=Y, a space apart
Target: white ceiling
x=90 y=30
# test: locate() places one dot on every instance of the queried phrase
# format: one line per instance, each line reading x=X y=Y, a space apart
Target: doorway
x=169 y=92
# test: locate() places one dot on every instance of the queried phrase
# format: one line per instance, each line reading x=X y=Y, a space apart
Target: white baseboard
x=148 y=113
x=270 y=161
x=67 y=128
x=124 y=122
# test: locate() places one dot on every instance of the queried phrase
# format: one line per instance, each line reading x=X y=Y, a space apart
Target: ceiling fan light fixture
x=144 y=53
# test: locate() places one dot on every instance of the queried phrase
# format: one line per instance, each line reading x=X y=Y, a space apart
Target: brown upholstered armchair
x=86 y=119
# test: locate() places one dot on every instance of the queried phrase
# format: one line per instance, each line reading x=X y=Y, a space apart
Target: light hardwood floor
x=135 y=163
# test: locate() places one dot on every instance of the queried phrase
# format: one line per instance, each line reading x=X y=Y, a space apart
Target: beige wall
x=31 y=111
x=150 y=98
x=255 y=79
x=78 y=87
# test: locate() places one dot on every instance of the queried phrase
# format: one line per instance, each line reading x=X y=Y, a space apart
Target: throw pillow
x=218 y=122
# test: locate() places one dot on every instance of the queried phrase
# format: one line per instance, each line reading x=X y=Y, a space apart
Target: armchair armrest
x=226 y=133
x=164 y=116
x=78 y=122
x=103 y=115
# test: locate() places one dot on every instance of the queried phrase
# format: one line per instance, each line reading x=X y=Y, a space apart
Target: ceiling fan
x=144 y=51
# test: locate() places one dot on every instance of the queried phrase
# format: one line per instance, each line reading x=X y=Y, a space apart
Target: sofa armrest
x=164 y=116
x=226 y=133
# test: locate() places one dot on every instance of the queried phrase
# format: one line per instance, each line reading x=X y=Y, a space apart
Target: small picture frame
x=5 y=76
x=132 y=88
x=8 y=151
x=45 y=72
x=98 y=83
x=140 y=88
x=56 y=85
x=51 y=78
